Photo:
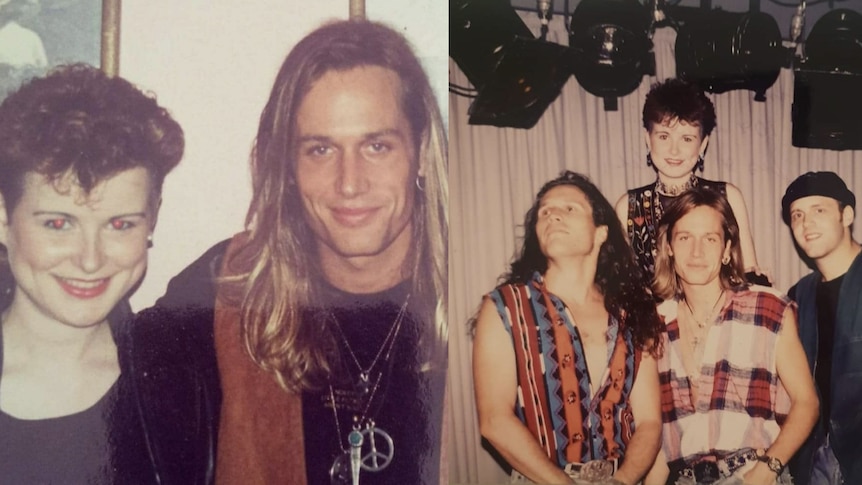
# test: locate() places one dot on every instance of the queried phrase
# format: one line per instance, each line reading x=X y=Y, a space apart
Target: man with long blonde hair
x=326 y=319
x=737 y=399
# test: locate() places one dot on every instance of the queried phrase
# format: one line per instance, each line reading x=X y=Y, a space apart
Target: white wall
x=212 y=64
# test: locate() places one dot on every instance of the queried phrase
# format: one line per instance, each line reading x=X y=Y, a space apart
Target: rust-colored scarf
x=260 y=439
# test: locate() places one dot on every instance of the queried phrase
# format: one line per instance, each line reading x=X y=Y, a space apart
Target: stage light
x=479 y=30
x=516 y=75
x=613 y=50
x=827 y=108
x=721 y=51
x=528 y=78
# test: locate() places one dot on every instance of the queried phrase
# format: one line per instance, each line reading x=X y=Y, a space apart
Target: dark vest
x=844 y=426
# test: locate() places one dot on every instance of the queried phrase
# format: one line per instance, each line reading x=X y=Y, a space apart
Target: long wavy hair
x=666 y=283
x=618 y=277
x=277 y=273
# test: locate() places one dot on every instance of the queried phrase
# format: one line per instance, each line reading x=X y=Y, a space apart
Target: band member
x=678 y=119
x=326 y=319
x=737 y=396
x=820 y=211
x=563 y=362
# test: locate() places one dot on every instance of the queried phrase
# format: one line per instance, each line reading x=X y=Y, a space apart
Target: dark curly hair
x=618 y=277
x=78 y=121
x=678 y=99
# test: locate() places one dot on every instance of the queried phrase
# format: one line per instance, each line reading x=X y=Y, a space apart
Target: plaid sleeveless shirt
x=740 y=401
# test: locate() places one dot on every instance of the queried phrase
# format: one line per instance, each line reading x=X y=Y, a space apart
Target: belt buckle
x=706 y=472
x=596 y=470
x=739 y=459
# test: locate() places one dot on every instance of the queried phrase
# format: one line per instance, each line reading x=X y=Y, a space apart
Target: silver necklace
x=698 y=338
x=364 y=373
x=369 y=447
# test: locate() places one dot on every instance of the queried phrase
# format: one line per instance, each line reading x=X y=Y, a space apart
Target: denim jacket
x=844 y=425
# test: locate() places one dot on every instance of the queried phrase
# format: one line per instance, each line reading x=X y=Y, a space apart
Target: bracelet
x=773 y=463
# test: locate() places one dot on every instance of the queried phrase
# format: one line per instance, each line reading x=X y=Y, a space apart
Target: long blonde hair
x=277 y=275
x=666 y=283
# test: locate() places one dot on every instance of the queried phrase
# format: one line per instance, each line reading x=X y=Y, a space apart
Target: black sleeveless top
x=646 y=207
x=71 y=449
x=102 y=445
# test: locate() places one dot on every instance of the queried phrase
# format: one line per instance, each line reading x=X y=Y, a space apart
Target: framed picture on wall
x=36 y=35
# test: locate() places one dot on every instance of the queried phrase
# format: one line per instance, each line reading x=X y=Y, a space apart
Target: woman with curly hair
x=82 y=160
x=678 y=119
x=570 y=338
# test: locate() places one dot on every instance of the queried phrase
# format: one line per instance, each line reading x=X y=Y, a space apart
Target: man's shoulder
x=808 y=281
x=195 y=286
x=182 y=317
x=512 y=287
x=759 y=296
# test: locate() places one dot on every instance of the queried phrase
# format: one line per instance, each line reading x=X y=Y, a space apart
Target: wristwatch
x=773 y=463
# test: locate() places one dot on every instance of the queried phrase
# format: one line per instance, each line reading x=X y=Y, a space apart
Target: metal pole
x=357 y=9
x=110 y=59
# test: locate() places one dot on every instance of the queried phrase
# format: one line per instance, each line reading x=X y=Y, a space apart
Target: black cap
x=826 y=184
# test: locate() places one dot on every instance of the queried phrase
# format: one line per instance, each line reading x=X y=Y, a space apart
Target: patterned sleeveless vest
x=646 y=206
x=554 y=399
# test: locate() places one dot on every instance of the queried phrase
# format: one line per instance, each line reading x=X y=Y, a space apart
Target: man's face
x=697 y=245
x=356 y=165
x=674 y=147
x=565 y=226
x=818 y=225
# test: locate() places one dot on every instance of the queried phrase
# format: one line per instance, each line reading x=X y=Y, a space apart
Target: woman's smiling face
x=675 y=146
x=74 y=255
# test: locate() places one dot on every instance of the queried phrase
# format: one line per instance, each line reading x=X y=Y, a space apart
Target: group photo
x=654 y=249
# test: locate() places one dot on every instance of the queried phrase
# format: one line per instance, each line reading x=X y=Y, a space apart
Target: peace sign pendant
x=381 y=449
x=371 y=449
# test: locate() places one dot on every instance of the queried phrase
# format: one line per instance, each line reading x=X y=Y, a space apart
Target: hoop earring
x=699 y=164
x=649 y=161
x=420 y=185
x=149 y=241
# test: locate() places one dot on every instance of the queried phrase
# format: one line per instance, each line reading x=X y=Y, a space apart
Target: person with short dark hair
x=564 y=350
x=320 y=332
x=737 y=398
x=82 y=161
x=678 y=119
x=820 y=209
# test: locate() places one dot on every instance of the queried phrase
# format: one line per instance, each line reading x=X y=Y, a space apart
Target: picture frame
x=37 y=35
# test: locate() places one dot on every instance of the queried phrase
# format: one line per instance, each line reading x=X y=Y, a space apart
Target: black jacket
x=169 y=353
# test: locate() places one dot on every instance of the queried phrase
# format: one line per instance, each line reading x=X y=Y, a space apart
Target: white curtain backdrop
x=495 y=173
